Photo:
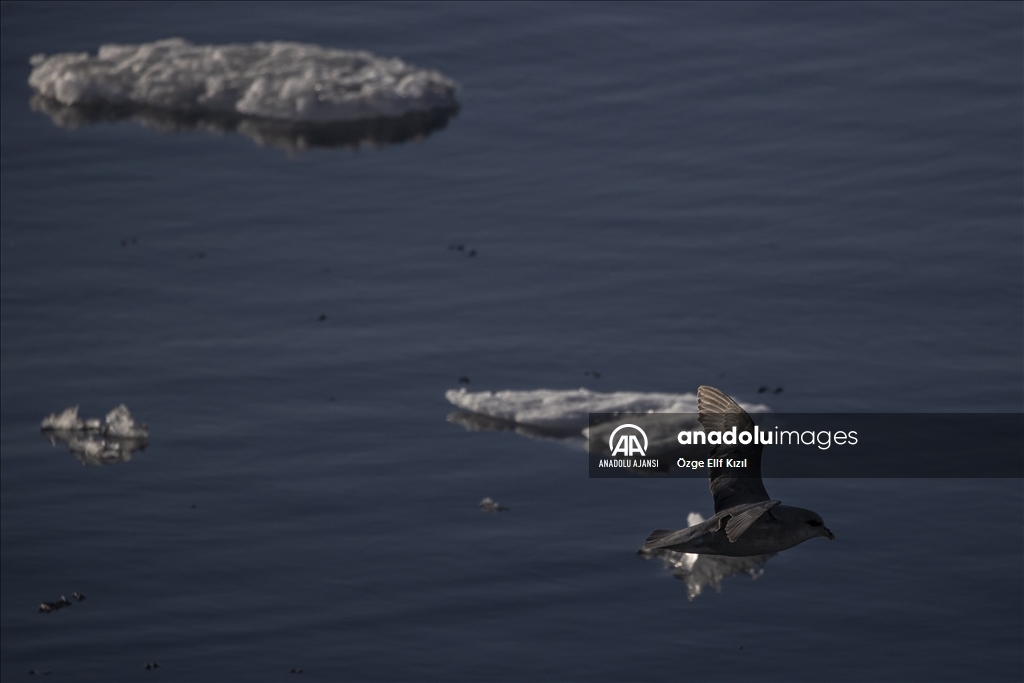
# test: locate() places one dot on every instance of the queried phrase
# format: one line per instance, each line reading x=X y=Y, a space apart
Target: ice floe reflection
x=94 y=442
x=706 y=571
x=290 y=136
x=475 y=422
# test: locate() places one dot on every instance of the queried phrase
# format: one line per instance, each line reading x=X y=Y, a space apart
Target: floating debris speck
x=490 y=505
x=47 y=607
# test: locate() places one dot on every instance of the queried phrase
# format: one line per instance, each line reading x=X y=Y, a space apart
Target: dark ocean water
x=826 y=198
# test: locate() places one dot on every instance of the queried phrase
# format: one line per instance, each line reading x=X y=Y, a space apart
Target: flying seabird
x=746 y=521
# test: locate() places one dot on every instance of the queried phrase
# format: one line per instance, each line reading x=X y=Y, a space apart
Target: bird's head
x=807 y=524
x=816 y=525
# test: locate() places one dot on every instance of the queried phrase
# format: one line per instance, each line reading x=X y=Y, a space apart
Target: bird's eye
x=814 y=522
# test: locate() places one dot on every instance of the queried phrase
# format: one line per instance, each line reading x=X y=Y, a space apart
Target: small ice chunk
x=94 y=441
x=488 y=504
x=67 y=420
x=121 y=425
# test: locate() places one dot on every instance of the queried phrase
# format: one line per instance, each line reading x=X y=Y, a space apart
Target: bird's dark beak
x=831 y=536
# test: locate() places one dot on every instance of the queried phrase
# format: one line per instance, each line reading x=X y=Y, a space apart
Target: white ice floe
x=119 y=424
x=67 y=420
x=281 y=81
x=94 y=442
x=558 y=409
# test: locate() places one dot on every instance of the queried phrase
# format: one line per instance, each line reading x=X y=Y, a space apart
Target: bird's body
x=778 y=528
x=746 y=522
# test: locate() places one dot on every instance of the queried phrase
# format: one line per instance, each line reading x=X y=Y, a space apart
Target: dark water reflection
x=94 y=449
x=291 y=136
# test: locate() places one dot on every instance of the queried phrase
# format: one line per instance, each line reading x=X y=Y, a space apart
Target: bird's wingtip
x=652 y=539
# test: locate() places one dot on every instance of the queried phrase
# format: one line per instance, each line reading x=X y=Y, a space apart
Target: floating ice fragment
x=174 y=84
x=569 y=410
x=277 y=80
x=488 y=504
x=67 y=419
x=94 y=442
x=121 y=425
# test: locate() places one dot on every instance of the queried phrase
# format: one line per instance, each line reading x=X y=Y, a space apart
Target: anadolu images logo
x=628 y=444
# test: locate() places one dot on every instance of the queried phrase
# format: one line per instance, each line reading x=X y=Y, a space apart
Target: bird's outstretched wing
x=717 y=412
x=735 y=521
x=740 y=521
x=730 y=487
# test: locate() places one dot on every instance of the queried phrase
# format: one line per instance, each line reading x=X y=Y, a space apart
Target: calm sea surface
x=825 y=198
